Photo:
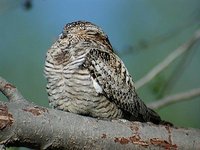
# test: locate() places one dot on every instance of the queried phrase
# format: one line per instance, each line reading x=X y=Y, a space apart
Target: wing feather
x=115 y=83
x=107 y=69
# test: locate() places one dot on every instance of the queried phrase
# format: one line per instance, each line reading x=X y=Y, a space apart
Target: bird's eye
x=64 y=34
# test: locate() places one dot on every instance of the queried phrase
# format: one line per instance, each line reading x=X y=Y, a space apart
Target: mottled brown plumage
x=85 y=76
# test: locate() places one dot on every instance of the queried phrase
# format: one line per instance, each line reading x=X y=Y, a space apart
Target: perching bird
x=85 y=76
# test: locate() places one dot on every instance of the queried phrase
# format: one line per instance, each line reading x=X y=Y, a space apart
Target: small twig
x=177 y=72
x=175 y=98
x=10 y=91
x=168 y=60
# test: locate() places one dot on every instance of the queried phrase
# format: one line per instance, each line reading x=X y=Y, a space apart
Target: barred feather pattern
x=86 y=77
x=70 y=87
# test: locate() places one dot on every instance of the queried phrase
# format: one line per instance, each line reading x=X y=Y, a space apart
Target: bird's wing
x=113 y=81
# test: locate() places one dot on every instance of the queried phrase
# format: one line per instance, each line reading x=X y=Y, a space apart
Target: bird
x=86 y=77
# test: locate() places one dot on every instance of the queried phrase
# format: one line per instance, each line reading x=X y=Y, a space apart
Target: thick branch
x=168 y=60
x=36 y=127
x=26 y=124
x=188 y=95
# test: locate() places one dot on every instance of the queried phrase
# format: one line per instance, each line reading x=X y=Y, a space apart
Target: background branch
x=188 y=95
x=168 y=60
x=26 y=124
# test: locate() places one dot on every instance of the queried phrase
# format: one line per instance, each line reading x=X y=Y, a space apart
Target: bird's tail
x=155 y=118
x=140 y=112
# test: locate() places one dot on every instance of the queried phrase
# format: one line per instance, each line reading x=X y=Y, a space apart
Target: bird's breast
x=71 y=88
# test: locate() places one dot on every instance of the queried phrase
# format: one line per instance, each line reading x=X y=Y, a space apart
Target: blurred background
x=142 y=33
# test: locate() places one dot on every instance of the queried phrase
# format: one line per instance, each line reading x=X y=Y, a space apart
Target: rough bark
x=25 y=124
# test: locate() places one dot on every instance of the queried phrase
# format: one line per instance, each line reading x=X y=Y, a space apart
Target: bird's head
x=84 y=31
x=76 y=39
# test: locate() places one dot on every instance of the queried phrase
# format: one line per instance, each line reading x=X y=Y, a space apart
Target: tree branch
x=168 y=60
x=10 y=91
x=25 y=124
x=188 y=95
